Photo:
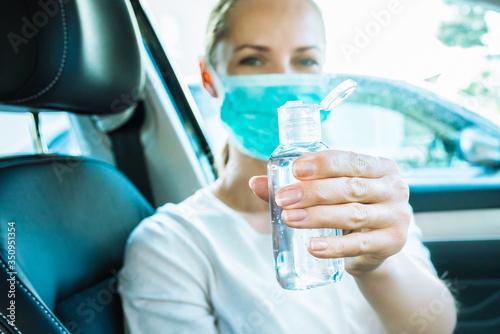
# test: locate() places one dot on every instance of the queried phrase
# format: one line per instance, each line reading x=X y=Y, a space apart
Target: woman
x=206 y=265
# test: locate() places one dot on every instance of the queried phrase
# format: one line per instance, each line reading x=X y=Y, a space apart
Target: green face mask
x=251 y=102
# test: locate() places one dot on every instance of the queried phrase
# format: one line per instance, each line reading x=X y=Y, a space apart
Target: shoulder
x=174 y=220
x=194 y=226
x=165 y=244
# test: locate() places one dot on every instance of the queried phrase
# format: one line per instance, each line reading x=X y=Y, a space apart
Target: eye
x=250 y=61
x=308 y=62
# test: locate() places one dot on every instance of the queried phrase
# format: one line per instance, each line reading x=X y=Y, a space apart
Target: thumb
x=259 y=187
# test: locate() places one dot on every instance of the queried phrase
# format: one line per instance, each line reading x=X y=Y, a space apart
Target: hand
x=363 y=195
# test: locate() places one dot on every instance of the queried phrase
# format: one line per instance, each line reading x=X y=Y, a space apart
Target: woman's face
x=278 y=36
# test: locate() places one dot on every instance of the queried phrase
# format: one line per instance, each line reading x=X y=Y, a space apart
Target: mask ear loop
x=218 y=83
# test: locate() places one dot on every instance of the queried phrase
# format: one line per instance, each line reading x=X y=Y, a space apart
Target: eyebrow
x=251 y=46
x=267 y=49
x=307 y=48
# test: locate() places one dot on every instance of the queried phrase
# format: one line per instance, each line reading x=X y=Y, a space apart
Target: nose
x=282 y=66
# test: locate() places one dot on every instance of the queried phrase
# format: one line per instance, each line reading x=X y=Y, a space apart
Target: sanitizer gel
x=300 y=133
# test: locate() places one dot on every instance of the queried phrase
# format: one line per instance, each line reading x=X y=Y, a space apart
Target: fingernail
x=288 y=197
x=304 y=169
x=318 y=244
x=251 y=183
x=294 y=215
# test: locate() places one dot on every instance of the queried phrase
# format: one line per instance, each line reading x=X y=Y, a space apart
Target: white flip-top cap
x=300 y=122
x=338 y=95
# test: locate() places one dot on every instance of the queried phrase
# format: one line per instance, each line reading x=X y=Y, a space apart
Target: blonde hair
x=217 y=29
x=217 y=26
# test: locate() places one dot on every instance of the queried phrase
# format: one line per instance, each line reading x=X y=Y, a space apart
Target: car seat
x=64 y=220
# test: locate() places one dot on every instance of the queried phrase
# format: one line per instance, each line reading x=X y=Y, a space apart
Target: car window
x=439 y=59
x=407 y=123
x=15 y=134
x=380 y=131
x=17 y=128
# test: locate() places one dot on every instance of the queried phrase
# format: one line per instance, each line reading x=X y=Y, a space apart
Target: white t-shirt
x=199 y=267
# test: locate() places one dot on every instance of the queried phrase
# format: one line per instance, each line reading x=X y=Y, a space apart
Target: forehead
x=275 y=23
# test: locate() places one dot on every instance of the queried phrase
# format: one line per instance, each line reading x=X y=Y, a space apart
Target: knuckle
x=406 y=214
x=399 y=239
x=364 y=244
x=390 y=165
x=400 y=189
x=403 y=188
x=358 y=163
x=406 y=191
x=356 y=188
x=359 y=213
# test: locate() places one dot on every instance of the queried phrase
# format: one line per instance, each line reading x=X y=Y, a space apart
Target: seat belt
x=129 y=152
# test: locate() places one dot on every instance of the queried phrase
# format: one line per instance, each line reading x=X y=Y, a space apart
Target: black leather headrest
x=80 y=56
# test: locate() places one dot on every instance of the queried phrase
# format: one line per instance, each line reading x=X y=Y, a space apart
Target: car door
x=461 y=225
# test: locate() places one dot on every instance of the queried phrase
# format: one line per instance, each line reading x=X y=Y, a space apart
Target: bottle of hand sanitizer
x=300 y=133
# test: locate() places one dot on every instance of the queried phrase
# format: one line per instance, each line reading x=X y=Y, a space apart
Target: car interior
x=73 y=215
x=103 y=63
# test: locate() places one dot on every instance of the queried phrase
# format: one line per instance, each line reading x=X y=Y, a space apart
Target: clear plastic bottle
x=300 y=133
